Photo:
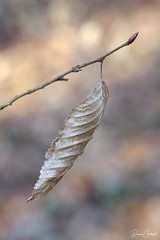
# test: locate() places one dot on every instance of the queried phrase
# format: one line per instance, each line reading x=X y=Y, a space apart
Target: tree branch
x=73 y=69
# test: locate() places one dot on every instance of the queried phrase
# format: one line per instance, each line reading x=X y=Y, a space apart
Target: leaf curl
x=76 y=132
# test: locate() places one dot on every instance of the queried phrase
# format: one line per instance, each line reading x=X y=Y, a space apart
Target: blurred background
x=114 y=187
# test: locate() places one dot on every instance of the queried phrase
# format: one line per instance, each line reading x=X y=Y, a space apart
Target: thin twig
x=73 y=69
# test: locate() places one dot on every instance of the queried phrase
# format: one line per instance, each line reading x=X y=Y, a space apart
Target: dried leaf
x=76 y=132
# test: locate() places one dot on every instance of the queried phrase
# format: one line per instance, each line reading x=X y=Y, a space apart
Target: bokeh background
x=114 y=187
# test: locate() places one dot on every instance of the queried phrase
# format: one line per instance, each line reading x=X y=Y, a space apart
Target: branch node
x=63 y=79
x=101 y=59
x=76 y=68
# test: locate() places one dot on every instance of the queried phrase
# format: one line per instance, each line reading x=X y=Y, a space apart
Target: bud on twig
x=132 y=38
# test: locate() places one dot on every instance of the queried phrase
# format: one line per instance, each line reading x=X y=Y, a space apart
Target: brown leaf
x=76 y=132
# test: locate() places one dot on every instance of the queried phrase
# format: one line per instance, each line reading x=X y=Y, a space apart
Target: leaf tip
x=29 y=199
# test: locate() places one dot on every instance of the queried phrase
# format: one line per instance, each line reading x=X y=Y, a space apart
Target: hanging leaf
x=76 y=132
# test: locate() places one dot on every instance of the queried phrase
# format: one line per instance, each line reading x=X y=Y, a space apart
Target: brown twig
x=73 y=69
